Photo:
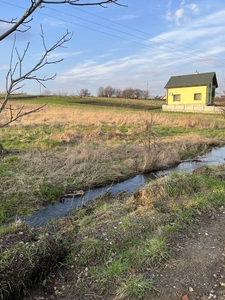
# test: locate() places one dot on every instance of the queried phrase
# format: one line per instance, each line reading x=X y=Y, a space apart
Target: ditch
x=128 y=187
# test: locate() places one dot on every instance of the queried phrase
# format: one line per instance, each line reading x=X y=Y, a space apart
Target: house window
x=197 y=96
x=176 y=97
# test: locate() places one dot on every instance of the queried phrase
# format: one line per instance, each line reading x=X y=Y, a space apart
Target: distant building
x=193 y=92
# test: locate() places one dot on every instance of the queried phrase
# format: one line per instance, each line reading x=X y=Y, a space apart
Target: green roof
x=197 y=79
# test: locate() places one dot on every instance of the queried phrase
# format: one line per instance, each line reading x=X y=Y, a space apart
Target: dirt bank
x=196 y=268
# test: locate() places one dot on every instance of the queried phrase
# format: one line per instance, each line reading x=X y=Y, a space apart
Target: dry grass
x=91 y=164
x=72 y=116
x=59 y=115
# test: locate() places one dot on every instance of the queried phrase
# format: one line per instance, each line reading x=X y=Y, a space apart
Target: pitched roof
x=192 y=80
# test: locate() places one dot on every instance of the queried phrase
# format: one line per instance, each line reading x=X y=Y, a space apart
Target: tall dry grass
x=91 y=164
x=71 y=116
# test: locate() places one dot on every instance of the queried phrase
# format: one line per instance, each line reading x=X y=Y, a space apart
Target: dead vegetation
x=69 y=116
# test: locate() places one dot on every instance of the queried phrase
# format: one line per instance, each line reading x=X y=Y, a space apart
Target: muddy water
x=61 y=209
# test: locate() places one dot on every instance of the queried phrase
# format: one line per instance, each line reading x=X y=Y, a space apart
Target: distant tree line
x=109 y=92
x=129 y=93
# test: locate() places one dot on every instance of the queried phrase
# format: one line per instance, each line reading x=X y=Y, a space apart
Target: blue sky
x=138 y=46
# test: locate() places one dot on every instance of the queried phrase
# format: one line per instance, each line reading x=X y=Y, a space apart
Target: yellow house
x=191 y=92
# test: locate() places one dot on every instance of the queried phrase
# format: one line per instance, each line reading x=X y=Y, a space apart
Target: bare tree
x=84 y=93
x=118 y=93
x=137 y=94
x=101 y=91
x=109 y=91
x=128 y=93
x=15 y=77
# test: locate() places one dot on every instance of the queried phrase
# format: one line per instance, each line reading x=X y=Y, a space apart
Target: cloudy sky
x=139 y=45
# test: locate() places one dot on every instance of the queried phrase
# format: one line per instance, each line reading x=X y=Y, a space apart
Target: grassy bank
x=100 y=243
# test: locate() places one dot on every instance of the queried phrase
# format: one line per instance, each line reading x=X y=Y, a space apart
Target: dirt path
x=196 y=269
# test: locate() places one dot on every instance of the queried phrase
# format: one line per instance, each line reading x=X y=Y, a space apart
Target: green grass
x=6 y=229
x=168 y=131
x=79 y=102
x=135 y=287
x=29 y=137
x=49 y=192
x=88 y=249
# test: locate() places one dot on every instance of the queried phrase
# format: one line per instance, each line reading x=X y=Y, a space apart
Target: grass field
x=75 y=144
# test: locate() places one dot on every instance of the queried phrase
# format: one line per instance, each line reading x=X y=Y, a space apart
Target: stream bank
x=65 y=207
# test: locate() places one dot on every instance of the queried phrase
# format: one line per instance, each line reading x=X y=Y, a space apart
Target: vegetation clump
x=28 y=260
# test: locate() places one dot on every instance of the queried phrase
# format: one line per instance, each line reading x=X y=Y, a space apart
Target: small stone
x=191 y=289
x=44 y=282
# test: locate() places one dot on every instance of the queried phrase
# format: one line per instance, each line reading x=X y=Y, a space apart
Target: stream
x=64 y=208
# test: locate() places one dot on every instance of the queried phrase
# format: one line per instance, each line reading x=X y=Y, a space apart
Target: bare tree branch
x=19 y=114
x=14 y=83
x=24 y=20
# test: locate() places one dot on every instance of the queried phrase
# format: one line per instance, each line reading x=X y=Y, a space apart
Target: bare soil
x=196 y=268
x=122 y=105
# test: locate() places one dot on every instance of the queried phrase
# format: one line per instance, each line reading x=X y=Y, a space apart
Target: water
x=62 y=209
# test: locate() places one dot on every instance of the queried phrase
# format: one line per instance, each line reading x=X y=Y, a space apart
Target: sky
x=139 y=45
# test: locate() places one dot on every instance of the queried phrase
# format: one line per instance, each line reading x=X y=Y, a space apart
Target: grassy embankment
x=70 y=146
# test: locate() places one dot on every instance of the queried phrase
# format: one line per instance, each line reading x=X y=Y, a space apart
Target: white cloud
x=194 y=7
x=179 y=15
x=125 y=17
x=4 y=67
x=60 y=55
x=54 y=22
x=182 y=14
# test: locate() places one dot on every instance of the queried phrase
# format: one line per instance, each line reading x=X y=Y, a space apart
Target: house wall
x=193 y=108
x=187 y=95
